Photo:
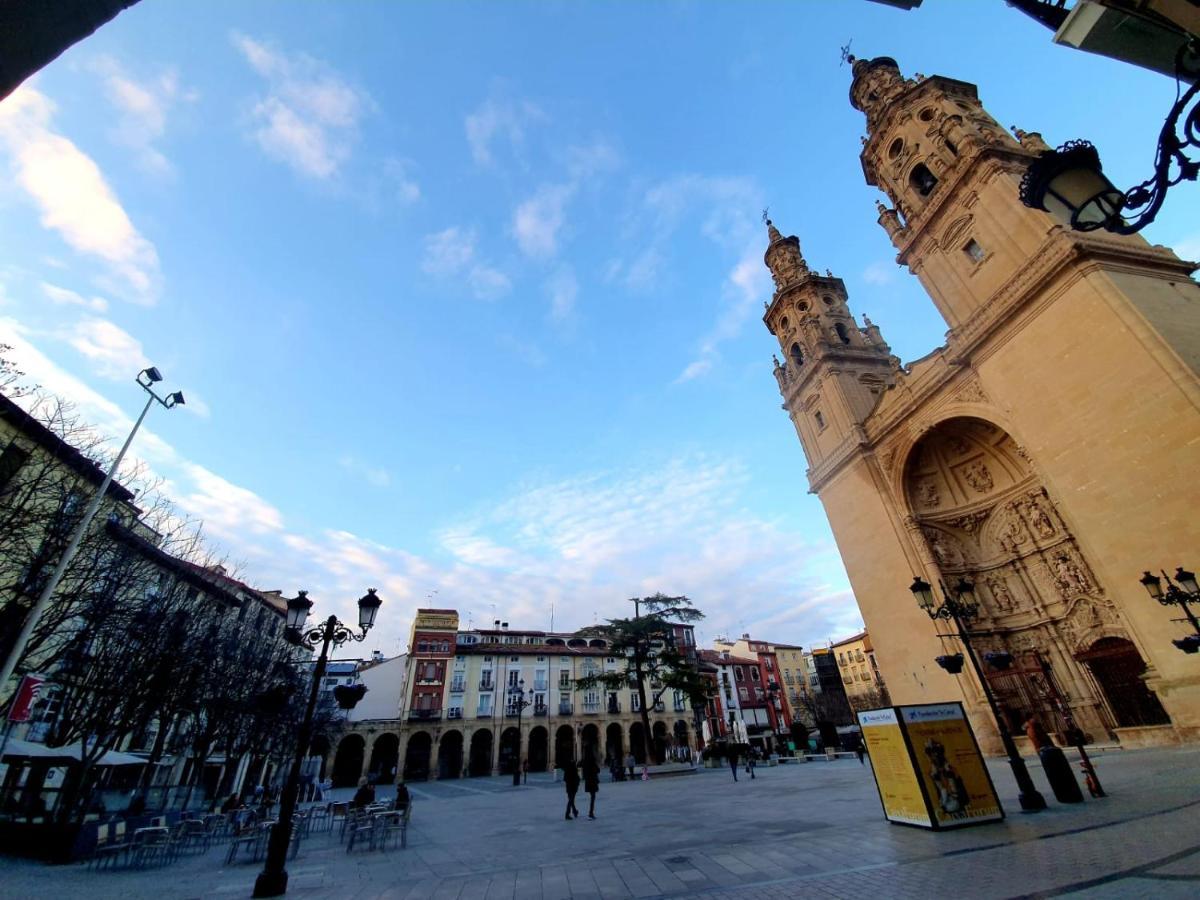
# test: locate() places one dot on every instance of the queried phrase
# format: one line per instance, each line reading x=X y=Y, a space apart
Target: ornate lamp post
x=517 y=701
x=1180 y=592
x=1070 y=184
x=960 y=609
x=272 y=881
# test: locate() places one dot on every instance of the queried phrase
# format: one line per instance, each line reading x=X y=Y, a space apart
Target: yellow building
x=864 y=686
x=1047 y=452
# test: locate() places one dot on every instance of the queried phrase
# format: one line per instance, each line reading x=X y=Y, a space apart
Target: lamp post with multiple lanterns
x=1180 y=592
x=145 y=379
x=961 y=608
x=273 y=879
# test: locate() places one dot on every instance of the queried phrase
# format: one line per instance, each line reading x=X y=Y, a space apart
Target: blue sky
x=466 y=297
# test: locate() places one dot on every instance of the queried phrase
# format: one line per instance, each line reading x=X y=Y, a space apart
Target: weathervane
x=766 y=217
x=847 y=56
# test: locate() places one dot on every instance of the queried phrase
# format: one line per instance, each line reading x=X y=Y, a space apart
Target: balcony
x=660 y=706
x=457 y=687
x=540 y=710
x=541 y=686
x=486 y=686
x=679 y=707
x=614 y=707
x=454 y=714
x=484 y=713
x=591 y=709
x=424 y=714
x=565 y=709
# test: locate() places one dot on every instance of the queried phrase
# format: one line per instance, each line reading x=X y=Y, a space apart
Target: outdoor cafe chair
x=151 y=845
x=111 y=844
x=362 y=828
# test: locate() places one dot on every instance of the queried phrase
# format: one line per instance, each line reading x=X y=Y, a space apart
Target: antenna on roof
x=551 y=617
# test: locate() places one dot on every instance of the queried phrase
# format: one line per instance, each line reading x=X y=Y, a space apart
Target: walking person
x=733 y=761
x=591 y=780
x=860 y=751
x=525 y=771
x=630 y=763
x=751 y=761
x=571 y=780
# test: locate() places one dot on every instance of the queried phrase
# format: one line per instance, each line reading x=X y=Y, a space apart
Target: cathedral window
x=896 y=148
x=953 y=149
x=796 y=355
x=820 y=420
x=783 y=323
x=974 y=252
x=922 y=180
x=841 y=332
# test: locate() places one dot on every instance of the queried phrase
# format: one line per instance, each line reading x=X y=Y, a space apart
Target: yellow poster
x=899 y=788
x=950 y=766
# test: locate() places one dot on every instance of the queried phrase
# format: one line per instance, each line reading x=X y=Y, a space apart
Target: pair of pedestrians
x=591 y=783
x=751 y=760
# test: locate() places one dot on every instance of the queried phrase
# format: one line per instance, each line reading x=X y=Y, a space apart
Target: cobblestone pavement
x=813 y=830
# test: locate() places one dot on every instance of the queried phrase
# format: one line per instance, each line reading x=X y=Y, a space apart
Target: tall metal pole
x=520 y=698
x=273 y=880
x=43 y=600
x=1029 y=797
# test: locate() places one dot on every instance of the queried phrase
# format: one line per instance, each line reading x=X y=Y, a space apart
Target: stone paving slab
x=794 y=831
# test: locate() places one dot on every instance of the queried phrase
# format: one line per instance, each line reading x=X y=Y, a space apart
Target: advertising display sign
x=927 y=766
x=899 y=787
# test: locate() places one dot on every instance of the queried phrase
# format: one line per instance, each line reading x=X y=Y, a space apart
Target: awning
x=15 y=748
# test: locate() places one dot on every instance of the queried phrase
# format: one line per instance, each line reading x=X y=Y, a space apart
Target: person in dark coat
x=733 y=761
x=571 y=780
x=591 y=780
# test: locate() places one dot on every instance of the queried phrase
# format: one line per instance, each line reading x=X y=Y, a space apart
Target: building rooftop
x=849 y=640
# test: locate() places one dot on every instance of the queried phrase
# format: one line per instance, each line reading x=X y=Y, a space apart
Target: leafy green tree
x=646 y=643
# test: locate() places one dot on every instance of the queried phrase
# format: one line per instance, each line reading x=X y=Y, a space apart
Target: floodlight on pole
x=145 y=379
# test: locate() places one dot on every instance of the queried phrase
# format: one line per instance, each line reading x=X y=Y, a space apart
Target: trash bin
x=1059 y=774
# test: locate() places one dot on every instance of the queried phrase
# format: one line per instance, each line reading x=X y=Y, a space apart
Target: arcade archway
x=348 y=761
x=385 y=756
x=417 y=757
x=539 y=749
x=480 y=762
x=450 y=755
x=564 y=745
x=637 y=743
x=509 y=755
x=614 y=744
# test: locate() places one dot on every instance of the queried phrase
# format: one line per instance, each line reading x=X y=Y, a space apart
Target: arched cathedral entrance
x=981 y=513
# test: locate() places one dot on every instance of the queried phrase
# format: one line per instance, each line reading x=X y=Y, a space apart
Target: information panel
x=953 y=773
x=927 y=766
x=899 y=787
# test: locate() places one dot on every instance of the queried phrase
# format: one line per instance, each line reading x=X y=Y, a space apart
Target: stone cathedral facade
x=1048 y=452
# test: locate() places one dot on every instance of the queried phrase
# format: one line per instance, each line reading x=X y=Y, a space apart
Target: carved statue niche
x=1009 y=528
x=1002 y=597
x=945 y=549
x=1038 y=521
x=1069 y=575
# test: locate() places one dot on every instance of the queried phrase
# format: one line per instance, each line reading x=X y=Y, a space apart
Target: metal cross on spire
x=766 y=215
x=847 y=56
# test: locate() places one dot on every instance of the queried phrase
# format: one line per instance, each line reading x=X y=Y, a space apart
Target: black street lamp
x=273 y=880
x=1180 y=592
x=961 y=608
x=1070 y=184
x=517 y=701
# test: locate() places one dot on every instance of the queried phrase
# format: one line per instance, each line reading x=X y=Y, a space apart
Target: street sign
x=26 y=696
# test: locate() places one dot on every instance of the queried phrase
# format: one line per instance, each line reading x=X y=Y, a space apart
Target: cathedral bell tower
x=833 y=371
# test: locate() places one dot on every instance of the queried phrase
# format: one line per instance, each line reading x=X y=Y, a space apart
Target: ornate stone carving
x=959 y=445
x=971 y=392
x=1002 y=596
x=970 y=523
x=978 y=477
x=955 y=231
x=1010 y=528
x=1069 y=576
x=945 y=549
x=1038 y=520
x=928 y=494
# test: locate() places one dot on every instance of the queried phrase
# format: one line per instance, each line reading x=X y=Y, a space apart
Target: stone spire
x=783 y=258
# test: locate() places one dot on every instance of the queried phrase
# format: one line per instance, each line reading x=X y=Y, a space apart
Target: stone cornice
x=820 y=474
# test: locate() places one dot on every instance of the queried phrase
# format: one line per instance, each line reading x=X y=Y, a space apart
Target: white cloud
x=225 y=507
x=451 y=253
x=529 y=353
x=309 y=117
x=61 y=296
x=377 y=476
x=537 y=221
x=591 y=159
x=397 y=171
x=72 y=195
x=113 y=352
x=499 y=118
x=143 y=107
x=723 y=210
x=879 y=273
x=563 y=289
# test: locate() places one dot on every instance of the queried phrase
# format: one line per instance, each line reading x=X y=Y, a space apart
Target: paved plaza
x=794 y=831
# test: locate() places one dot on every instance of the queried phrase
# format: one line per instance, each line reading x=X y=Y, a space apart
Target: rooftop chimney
x=496 y=623
x=504 y=625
